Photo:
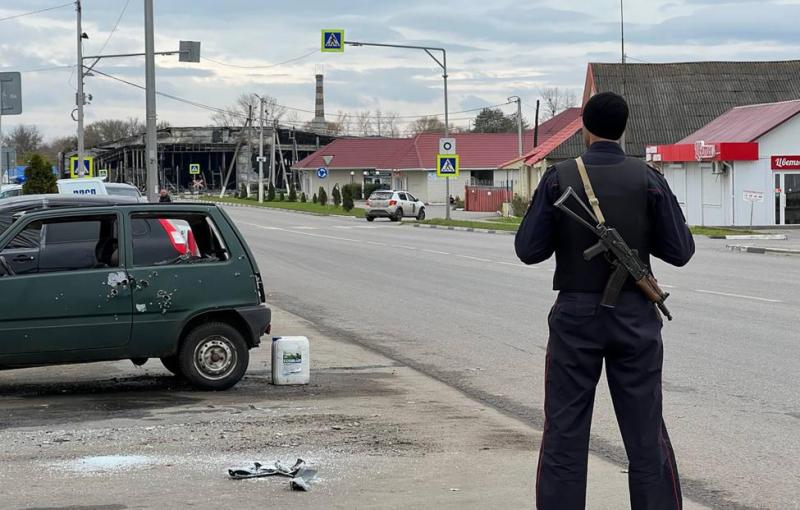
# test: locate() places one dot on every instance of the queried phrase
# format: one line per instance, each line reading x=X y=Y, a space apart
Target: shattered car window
x=168 y=239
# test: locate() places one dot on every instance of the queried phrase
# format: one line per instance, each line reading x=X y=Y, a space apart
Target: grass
x=719 y=232
x=513 y=220
x=483 y=225
x=327 y=210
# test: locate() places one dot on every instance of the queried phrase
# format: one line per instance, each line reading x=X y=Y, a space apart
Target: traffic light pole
x=443 y=64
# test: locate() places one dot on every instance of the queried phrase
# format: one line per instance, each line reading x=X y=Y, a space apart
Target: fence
x=485 y=198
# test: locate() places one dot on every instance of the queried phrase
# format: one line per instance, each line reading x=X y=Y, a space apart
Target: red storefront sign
x=786 y=162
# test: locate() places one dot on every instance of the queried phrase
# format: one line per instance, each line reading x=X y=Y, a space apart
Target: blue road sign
x=322 y=172
x=448 y=165
x=332 y=40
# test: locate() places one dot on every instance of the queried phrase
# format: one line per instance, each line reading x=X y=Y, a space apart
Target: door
x=412 y=201
x=405 y=204
x=72 y=293
x=787 y=198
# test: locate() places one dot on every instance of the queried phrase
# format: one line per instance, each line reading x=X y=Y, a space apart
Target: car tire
x=214 y=356
x=421 y=215
x=398 y=215
x=370 y=218
x=171 y=364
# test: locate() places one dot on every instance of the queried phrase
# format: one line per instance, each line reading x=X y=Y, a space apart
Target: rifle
x=626 y=262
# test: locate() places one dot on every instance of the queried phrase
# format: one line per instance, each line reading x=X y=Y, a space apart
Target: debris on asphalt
x=260 y=470
x=302 y=481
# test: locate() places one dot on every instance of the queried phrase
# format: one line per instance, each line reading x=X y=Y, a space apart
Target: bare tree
x=236 y=114
x=25 y=139
x=363 y=122
x=426 y=125
x=387 y=123
x=557 y=100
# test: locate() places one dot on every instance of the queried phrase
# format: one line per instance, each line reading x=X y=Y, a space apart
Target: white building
x=745 y=163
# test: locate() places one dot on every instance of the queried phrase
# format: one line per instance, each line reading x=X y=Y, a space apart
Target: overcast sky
x=496 y=49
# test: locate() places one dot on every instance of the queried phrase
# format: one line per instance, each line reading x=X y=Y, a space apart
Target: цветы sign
x=786 y=162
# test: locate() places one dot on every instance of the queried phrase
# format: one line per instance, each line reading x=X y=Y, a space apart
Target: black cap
x=606 y=115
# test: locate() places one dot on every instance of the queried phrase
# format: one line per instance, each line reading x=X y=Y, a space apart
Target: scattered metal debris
x=259 y=470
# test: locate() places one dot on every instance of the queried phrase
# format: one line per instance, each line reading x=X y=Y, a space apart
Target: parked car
x=394 y=205
x=10 y=190
x=119 y=189
x=86 y=279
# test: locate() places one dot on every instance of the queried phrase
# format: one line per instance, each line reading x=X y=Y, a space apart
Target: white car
x=124 y=190
x=394 y=205
x=10 y=190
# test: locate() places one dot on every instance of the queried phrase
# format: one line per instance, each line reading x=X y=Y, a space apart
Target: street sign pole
x=443 y=64
x=261 y=151
x=79 y=96
x=151 y=147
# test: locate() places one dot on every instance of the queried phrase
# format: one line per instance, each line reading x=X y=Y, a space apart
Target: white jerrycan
x=291 y=363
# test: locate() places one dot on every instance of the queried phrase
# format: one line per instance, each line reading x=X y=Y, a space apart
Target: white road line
x=435 y=252
x=304 y=228
x=515 y=264
x=412 y=248
x=737 y=296
x=667 y=286
x=473 y=258
x=373 y=243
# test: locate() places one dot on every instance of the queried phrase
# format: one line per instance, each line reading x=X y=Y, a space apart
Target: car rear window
x=123 y=192
x=175 y=238
x=381 y=195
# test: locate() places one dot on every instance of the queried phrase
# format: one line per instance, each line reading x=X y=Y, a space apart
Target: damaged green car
x=102 y=279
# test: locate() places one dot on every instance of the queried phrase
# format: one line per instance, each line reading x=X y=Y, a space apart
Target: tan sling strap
x=587 y=185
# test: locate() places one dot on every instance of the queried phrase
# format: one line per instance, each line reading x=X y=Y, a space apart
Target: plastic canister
x=291 y=363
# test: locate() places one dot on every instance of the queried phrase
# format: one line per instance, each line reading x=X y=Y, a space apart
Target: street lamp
x=443 y=64
x=352 y=174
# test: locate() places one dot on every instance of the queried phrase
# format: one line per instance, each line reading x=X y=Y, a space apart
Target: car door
x=76 y=298
x=413 y=202
x=403 y=202
x=180 y=266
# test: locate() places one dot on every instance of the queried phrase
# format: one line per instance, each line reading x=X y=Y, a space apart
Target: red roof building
x=410 y=163
x=742 y=168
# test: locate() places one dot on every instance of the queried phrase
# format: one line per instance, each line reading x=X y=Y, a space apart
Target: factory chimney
x=318 y=125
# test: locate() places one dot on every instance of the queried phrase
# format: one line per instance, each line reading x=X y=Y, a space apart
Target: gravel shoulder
x=114 y=436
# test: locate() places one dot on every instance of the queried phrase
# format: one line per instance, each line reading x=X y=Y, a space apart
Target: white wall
x=753 y=176
x=781 y=141
x=703 y=195
x=436 y=186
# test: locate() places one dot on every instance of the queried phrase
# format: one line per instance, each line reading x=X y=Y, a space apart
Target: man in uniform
x=636 y=200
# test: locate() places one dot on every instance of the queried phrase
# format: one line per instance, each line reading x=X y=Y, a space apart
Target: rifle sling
x=587 y=185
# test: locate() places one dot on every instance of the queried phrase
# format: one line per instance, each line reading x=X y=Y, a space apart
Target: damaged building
x=225 y=155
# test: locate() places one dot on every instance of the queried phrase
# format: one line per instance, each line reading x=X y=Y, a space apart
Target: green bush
x=271 y=192
x=357 y=190
x=323 y=196
x=337 y=196
x=314 y=199
x=292 y=195
x=519 y=206
x=303 y=198
x=39 y=177
x=370 y=188
x=347 y=198
x=281 y=197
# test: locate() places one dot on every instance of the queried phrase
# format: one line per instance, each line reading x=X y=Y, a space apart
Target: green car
x=85 y=280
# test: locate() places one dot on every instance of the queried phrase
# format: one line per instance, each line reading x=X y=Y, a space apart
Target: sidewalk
x=382 y=435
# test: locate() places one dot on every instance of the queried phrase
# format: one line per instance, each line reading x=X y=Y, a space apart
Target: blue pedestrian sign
x=322 y=172
x=332 y=40
x=448 y=165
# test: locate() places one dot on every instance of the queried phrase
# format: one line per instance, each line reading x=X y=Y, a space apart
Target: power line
x=295 y=59
x=53 y=68
x=121 y=14
x=36 y=12
x=453 y=113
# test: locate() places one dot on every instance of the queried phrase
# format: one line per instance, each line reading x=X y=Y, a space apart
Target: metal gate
x=485 y=198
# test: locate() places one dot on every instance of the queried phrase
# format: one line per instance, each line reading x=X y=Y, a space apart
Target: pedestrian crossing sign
x=448 y=165
x=332 y=41
x=194 y=169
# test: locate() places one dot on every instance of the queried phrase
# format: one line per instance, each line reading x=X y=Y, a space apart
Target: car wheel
x=421 y=215
x=214 y=356
x=171 y=364
x=398 y=215
x=370 y=218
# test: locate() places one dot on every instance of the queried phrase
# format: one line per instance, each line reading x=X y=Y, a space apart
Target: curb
x=753 y=237
x=466 y=229
x=761 y=249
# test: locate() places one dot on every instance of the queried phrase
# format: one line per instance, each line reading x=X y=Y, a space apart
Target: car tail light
x=175 y=237
x=392 y=202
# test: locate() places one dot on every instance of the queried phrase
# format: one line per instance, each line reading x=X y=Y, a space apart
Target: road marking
x=515 y=264
x=412 y=248
x=473 y=258
x=667 y=286
x=305 y=228
x=741 y=296
x=373 y=243
x=435 y=252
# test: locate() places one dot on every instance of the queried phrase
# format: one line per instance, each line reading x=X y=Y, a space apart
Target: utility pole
x=261 y=151
x=150 y=142
x=517 y=100
x=79 y=99
x=272 y=177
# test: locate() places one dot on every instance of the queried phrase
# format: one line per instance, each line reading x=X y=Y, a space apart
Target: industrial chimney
x=318 y=124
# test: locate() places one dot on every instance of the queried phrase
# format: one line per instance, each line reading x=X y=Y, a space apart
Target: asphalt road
x=460 y=307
